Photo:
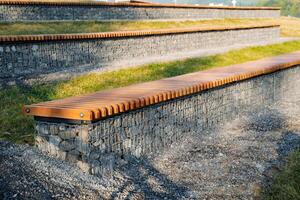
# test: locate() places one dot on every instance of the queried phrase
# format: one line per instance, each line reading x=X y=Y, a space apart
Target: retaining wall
x=97 y=146
x=56 y=11
x=41 y=58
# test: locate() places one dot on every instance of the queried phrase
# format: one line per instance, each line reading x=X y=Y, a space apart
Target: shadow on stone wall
x=140 y=170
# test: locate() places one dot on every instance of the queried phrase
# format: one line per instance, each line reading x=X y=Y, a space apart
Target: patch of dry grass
x=290 y=26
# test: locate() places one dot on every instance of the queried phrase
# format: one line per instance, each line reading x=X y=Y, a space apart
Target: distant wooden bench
x=96 y=130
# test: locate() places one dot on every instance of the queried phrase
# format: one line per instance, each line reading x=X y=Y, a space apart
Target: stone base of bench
x=99 y=146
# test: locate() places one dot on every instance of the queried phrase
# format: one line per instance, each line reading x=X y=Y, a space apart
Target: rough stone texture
x=10 y=13
x=27 y=62
x=140 y=133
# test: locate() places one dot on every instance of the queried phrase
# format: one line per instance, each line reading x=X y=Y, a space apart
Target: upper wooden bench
x=128 y=4
x=106 y=103
x=122 y=34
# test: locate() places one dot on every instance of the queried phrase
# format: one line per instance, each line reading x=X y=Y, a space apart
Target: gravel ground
x=231 y=162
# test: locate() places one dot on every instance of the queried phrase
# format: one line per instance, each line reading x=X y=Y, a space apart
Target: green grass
x=286 y=183
x=19 y=129
x=290 y=27
x=21 y=28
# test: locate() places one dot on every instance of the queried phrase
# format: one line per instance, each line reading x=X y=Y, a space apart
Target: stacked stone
x=65 y=142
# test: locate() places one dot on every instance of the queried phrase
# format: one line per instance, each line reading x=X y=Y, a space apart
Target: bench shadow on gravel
x=16 y=177
x=141 y=171
x=146 y=182
x=289 y=142
x=274 y=121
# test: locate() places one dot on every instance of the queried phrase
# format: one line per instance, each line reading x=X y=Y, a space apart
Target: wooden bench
x=97 y=130
x=106 y=103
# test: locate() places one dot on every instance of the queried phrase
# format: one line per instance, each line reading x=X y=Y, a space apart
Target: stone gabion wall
x=50 y=60
x=98 y=147
x=10 y=13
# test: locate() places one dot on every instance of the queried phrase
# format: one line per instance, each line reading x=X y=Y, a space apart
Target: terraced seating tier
x=46 y=58
x=102 y=104
x=57 y=11
x=143 y=119
x=133 y=4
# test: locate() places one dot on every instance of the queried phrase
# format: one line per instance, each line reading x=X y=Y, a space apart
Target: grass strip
x=30 y=28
